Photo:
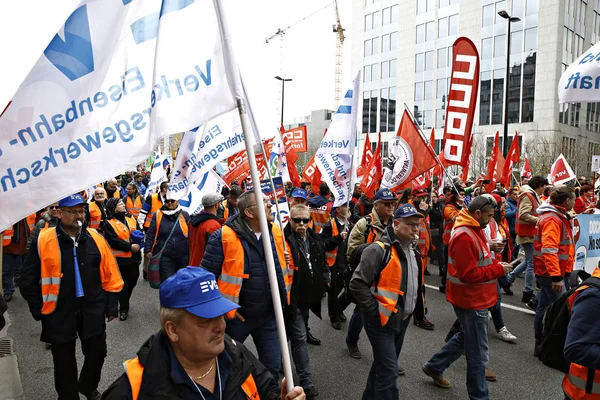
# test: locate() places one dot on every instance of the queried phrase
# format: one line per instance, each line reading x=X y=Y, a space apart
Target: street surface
x=336 y=375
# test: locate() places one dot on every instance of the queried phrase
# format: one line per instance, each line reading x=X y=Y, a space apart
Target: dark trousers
x=169 y=266
x=11 y=268
x=445 y=269
x=130 y=274
x=333 y=304
x=67 y=385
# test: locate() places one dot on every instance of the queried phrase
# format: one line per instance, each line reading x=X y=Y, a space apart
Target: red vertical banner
x=462 y=100
x=492 y=164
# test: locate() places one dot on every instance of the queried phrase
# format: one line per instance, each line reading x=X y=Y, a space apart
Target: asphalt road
x=336 y=375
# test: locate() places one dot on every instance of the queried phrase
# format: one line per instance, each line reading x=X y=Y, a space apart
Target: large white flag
x=157 y=175
x=579 y=82
x=117 y=77
x=334 y=158
x=211 y=182
x=203 y=148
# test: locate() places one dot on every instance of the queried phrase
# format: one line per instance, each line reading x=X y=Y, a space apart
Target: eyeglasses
x=390 y=204
x=413 y=225
x=98 y=194
x=303 y=220
x=53 y=208
x=265 y=202
x=74 y=212
x=170 y=201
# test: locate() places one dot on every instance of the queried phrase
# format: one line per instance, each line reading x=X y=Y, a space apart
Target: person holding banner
x=585 y=203
x=235 y=255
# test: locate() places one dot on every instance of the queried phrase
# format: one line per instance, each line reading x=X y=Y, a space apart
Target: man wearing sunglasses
x=388 y=286
x=309 y=283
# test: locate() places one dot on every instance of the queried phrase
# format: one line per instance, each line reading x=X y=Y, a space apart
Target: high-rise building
x=404 y=48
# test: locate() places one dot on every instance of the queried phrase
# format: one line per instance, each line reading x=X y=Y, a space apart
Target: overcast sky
x=306 y=54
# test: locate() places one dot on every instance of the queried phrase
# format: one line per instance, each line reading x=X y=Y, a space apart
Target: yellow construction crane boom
x=337 y=28
x=282 y=31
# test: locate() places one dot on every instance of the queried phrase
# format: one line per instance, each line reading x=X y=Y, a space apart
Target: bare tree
x=542 y=151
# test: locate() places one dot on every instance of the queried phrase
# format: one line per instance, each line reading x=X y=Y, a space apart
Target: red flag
x=464 y=174
x=312 y=174
x=513 y=157
x=373 y=174
x=366 y=157
x=561 y=171
x=526 y=170
x=462 y=99
x=409 y=157
x=492 y=165
x=500 y=162
x=291 y=156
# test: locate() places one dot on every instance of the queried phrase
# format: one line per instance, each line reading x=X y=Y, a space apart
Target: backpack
x=555 y=324
x=355 y=261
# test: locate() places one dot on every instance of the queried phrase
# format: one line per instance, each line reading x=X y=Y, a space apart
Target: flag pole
x=429 y=145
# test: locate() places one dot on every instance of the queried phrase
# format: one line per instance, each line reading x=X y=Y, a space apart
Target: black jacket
x=307 y=287
x=336 y=242
x=157 y=383
x=177 y=247
x=83 y=317
x=436 y=217
x=41 y=224
x=368 y=272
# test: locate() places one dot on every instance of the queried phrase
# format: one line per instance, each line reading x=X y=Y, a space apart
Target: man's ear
x=171 y=331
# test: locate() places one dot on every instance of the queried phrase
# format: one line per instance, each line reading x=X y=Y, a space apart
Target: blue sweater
x=582 y=345
x=511 y=214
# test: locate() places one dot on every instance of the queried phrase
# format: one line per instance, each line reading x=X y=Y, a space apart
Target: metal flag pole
x=429 y=145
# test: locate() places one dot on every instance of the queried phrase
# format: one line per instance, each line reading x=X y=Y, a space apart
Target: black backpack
x=555 y=324
x=353 y=264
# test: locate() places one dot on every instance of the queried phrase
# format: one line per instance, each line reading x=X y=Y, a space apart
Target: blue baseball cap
x=195 y=290
x=407 y=210
x=71 y=201
x=384 y=194
x=301 y=193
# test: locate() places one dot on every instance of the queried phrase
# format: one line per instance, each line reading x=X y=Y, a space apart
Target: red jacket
x=582 y=204
x=201 y=226
x=472 y=272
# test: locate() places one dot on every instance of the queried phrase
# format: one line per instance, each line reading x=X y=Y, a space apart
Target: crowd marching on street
x=77 y=262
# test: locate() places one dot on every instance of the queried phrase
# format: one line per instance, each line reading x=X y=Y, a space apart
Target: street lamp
x=283 y=81
x=509 y=20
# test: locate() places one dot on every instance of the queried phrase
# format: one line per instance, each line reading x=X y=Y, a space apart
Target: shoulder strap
x=592 y=281
x=168 y=237
x=369 y=226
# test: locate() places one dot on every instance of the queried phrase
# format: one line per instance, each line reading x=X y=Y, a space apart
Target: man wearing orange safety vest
x=229 y=207
x=14 y=248
x=71 y=281
x=582 y=382
x=191 y=357
x=235 y=254
x=388 y=287
x=454 y=203
x=472 y=289
x=96 y=208
x=320 y=208
x=152 y=204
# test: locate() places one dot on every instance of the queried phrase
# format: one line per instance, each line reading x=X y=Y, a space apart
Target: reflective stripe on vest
x=330 y=256
x=154 y=207
x=31 y=220
x=523 y=228
x=288 y=270
x=320 y=217
x=95 y=215
x=133 y=207
x=448 y=225
x=51 y=267
x=7 y=236
x=565 y=245
x=387 y=290
x=123 y=232
x=582 y=382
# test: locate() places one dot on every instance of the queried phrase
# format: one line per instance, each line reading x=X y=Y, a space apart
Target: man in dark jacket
x=202 y=225
x=310 y=275
x=71 y=281
x=387 y=307
x=236 y=250
x=50 y=218
x=335 y=237
x=192 y=355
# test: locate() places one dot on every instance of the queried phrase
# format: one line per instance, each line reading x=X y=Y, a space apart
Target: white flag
x=203 y=149
x=211 y=182
x=119 y=76
x=579 y=81
x=561 y=171
x=157 y=175
x=334 y=158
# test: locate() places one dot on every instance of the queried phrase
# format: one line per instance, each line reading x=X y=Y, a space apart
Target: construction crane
x=337 y=28
x=281 y=31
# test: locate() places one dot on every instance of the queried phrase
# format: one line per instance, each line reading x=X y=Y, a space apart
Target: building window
x=442 y=27
x=485 y=98
x=375 y=45
x=500 y=46
x=488 y=15
x=453 y=25
x=497 y=96
x=486 y=49
x=393 y=40
x=395 y=15
x=366 y=109
x=420 y=33
x=385 y=17
x=374 y=72
x=392 y=109
x=592 y=118
x=421 y=6
x=385 y=72
x=376 y=20
x=393 y=68
x=368 y=22
x=419 y=91
x=367 y=74
x=442 y=58
x=373 y=114
x=429 y=31
x=429 y=61
x=428 y=90
x=383 y=110
x=385 y=43
x=569 y=147
x=420 y=62
x=500 y=5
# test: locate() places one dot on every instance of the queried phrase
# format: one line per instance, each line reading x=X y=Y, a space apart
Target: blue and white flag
x=117 y=77
x=203 y=148
x=334 y=158
x=278 y=160
x=211 y=182
x=157 y=175
x=581 y=80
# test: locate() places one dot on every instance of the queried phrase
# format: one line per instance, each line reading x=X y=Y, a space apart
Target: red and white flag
x=409 y=157
x=561 y=171
x=526 y=170
x=492 y=164
x=366 y=157
x=513 y=157
x=373 y=174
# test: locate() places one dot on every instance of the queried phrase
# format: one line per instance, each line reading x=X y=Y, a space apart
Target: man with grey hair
x=112 y=189
x=235 y=254
x=191 y=354
x=202 y=225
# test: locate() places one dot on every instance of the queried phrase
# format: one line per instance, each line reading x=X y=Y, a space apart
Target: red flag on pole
x=464 y=174
x=526 y=170
x=561 y=171
x=373 y=174
x=492 y=164
x=513 y=157
x=366 y=157
x=409 y=157
x=291 y=157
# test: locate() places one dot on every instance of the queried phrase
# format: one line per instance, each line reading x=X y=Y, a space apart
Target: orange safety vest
x=156 y=205
x=582 y=383
x=330 y=256
x=133 y=207
x=31 y=220
x=232 y=274
x=95 y=215
x=7 y=236
x=182 y=224
x=135 y=372
x=226 y=212
x=123 y=232
x=471 y=296
x=523 y=228
x=387 y=290
x=51 y=267
x=448 y=222
x=320 y=216
x=565 y=251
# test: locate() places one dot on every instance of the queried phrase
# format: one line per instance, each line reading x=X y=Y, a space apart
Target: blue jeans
x=354 y=326
x=496 y=311
x=386 y=343
x=527 y=266
x=546 y=297
x=265 y=337
x=296 y=332
x=11 y=266
x=472 y=341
